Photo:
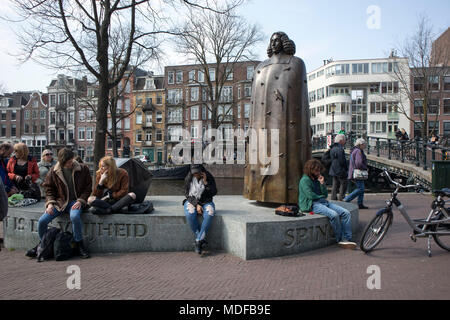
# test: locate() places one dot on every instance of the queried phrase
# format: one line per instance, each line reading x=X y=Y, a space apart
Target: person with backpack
x=313 y=197
x=338 y=168
x=110 y=193
x=68 y=186
x=200 y=188
x=358 y=162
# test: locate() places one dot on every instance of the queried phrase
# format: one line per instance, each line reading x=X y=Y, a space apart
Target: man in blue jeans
x=68 y=186
x=313 y=197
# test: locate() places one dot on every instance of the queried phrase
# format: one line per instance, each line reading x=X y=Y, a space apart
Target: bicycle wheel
x=375 y=231
x=442 y=241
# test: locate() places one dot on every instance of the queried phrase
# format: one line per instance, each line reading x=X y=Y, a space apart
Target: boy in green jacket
x=312 y=196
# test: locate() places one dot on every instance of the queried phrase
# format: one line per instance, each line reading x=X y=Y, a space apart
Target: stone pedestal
x=241 y=227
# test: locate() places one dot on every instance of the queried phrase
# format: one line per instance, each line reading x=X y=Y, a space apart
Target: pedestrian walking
x=358 y=172
x=338 y=168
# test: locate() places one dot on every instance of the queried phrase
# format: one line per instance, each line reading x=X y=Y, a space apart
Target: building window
x=27 y=115
x=138 y=117
x=127 y=123
x=70 y=100
x=229 y=72
x=138 y=136
x=227 y=94
x=434 y=83
x=239 y=111
x=360 y=68
x=418 y=83
x=89 y=133
x=194 y=132
x=377 y=127
x=71 y=136
x=433 y=106
x=174 y=96
x=179 y=76
x=159 y=117
x=52 y=100
x=250 y=71
x=71 y=117
x=201 y=76
x=247 y=111
x=446 y=128
x=42 y=114
x=248 y=90
x=194 y=113
x=191 y=76
x=212 y=74
x=43 y=128
x=13 y=130
x=158 y=135
x=81 y=115
x=194 y=94
x=52 y=135
x=384 y=67
x=171 y=77
x=447 y=83
x=148 y=136
x=447 y=106
x=81 y=133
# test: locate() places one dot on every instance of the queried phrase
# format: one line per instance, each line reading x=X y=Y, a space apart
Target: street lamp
x=333 y=109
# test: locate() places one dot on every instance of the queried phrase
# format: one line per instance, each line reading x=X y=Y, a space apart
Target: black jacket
x=207 y=195
x=339 y=165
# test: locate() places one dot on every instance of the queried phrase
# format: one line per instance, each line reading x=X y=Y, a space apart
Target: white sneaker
x=347 y=245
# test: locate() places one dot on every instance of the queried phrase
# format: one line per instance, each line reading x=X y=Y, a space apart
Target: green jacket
x=306 y=193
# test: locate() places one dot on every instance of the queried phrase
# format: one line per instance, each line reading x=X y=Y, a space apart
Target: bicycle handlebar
x=418 y=187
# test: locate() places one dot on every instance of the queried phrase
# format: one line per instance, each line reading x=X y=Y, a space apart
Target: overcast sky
x=346 y=29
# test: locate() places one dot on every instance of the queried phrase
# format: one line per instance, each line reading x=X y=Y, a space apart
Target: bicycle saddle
x=443 y=192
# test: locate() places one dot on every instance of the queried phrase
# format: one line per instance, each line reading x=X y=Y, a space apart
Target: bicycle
x=436 y=225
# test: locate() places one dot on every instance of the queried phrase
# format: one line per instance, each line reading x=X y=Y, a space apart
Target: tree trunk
x=102 y=122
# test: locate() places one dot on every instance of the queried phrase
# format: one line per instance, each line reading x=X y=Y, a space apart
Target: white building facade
x=360 y=96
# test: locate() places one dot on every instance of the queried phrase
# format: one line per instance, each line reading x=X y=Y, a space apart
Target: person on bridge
x=110 y=193
x=200 y=188
x=313 y=197
x=358 y=160
x=338 y=168
x=67 y=186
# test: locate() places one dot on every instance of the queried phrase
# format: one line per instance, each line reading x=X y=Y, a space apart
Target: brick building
x=188 y=95
x=11 y=115
x=34 y=124
x=85 y=124
x=149 y=118
x=63 y=95
x=125 y=106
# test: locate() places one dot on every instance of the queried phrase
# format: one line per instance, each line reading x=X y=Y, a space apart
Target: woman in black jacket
x=200 y=188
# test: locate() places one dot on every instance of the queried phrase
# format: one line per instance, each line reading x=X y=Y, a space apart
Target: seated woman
x=110 y=193
x=313 y=197
x=44 y=166
x=22 y=168
x=200 y=188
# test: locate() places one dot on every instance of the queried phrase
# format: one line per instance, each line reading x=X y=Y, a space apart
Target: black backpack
x=45 y=249
x=62 y=247
x=326 y=158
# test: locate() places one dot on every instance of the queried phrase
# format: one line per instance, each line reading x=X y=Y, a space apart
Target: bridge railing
x=410 y=151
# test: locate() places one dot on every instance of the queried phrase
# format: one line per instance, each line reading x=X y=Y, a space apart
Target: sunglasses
x=48 y=154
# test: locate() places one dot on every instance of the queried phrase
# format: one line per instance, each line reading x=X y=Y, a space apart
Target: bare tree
x=76 y=36
x=420 y=80
x=217 y=40
x=3 y=88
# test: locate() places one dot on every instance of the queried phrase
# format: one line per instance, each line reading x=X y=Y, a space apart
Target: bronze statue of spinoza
x=279 y=101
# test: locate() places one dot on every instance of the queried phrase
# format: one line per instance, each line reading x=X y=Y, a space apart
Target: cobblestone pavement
x=329 y=273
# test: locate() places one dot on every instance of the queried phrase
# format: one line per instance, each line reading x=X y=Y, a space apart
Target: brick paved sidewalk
x=328 y=273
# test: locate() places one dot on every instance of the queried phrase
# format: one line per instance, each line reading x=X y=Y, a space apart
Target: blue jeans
x=358 y=192
x=191 y=216
x=75 y=217
x=339 y=219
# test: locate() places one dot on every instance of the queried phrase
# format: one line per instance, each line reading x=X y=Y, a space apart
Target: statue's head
x=280 y=42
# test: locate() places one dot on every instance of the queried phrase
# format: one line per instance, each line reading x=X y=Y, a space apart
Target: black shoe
x=198 y=246
x=32 y=253
x=81 y=250
x=361 y=206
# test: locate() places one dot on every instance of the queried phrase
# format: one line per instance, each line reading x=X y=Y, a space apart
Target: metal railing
x=410 y=151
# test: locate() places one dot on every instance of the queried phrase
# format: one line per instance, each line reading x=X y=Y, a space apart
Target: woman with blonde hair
x=22 y=168
x=110 y=193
